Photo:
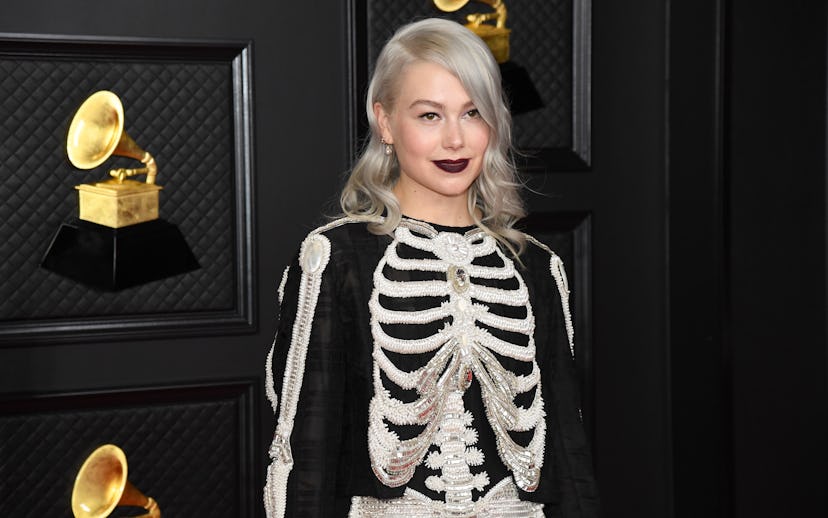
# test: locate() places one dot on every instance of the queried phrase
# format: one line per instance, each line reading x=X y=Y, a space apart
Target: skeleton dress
x=424 y=374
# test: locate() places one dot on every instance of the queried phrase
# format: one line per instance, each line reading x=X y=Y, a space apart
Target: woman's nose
x=452 y=135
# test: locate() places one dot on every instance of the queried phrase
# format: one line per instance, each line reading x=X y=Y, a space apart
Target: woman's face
x=438 y=136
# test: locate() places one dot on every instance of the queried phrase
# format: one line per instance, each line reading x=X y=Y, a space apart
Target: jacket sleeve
x=308 y=385
x=578 y=494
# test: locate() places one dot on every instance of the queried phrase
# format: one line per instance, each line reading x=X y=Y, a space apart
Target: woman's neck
x=449 y=212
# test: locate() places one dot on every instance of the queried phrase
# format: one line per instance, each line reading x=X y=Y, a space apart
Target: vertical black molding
x=357 y=65
x=825 y=248
x=725 y=464
x=582 y=81
x=251 y=478
x=243 y=100
x=700 y=393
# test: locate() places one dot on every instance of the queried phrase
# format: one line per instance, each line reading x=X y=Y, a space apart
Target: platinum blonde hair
x=368 y=192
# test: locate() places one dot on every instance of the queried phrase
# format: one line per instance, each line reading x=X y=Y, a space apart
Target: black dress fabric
x=329 y=440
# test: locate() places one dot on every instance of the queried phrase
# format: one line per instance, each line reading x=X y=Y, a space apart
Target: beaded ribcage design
x=453 y=288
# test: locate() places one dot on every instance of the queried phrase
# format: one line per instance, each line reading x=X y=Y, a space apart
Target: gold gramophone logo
x=118 y=240
x=95 y=134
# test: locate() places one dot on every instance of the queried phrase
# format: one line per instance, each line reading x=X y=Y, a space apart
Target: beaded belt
x=500 y=502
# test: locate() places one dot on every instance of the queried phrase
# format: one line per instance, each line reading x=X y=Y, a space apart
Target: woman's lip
x=452 y=166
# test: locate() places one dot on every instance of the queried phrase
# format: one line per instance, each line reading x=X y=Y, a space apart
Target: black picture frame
x=219 y=165
x=192 y=447
x=571 y=149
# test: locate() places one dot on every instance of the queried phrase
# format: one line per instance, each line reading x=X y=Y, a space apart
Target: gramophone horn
x=450 y=6
x=97 y=132
x=102 y=485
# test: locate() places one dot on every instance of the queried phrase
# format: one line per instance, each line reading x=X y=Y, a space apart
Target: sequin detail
x=500 y=502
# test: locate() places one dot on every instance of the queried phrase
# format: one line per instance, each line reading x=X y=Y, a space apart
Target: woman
x=424 y=358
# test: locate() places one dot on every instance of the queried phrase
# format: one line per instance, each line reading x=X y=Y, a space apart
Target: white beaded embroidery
x=462 y=350
x=556 y=267
x=503 y=415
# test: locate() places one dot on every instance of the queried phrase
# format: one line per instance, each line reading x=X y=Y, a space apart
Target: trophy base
x=520 y=90
x=112 y=259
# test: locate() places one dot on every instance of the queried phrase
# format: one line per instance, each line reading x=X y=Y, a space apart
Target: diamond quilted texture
x=541 y=42
x=184 y=455
x=181 y=112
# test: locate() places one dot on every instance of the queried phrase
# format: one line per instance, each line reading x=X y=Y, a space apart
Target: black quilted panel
x=181 y=112
x=186 y=455
x=541 y=42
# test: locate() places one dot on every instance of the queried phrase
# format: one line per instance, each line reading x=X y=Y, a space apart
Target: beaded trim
x=313 y=258
x=556 y=267
x=500 y=502
x=463 y=350
x=269 y=390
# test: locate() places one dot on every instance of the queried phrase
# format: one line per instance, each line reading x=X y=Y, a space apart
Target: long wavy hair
x=368 y=192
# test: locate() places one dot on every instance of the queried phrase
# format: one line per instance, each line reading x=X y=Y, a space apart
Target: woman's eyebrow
x=433 y=104
x=439 y=106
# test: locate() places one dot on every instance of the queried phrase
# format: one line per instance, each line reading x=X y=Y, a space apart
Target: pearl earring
x=388 y=148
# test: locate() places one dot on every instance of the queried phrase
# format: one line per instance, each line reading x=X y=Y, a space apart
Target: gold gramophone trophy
x=517 y=83
x=496 y=36
x=95 y=134
x=118 y=240
x=102 y=485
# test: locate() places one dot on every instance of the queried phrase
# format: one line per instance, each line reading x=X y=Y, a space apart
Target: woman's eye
x=473 y=114
x=430 y=116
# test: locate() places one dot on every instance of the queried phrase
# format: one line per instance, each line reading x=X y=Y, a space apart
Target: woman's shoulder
x=539 y=256
x=341 y=237
x=537 y=250
x=343 y=232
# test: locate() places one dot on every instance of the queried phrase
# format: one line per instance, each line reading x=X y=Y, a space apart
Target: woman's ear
x=382 y=121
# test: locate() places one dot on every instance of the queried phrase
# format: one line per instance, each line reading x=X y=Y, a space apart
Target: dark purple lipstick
x=452 y=166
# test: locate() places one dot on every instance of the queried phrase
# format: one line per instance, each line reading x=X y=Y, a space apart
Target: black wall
x=777 y=226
